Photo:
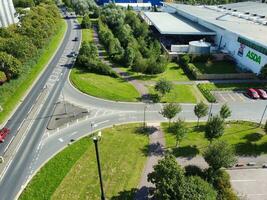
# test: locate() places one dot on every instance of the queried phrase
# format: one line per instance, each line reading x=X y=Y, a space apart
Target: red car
x=262 y=93
x=3 y=134
x=253 y=94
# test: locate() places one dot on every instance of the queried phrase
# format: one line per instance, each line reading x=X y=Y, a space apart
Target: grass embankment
x=179 y=94
x=13 y=91
x=173 y=73
x=217 y=67
x=105 y=87
x=72 y=174
x=247 y=138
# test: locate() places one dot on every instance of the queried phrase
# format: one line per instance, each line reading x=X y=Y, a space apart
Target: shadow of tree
x=186 y=151
x=253 y=137
x=125 y=195
x=199 y=128
x=250 y=149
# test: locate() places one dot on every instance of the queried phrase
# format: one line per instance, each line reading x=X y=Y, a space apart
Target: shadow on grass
x=199 y=128
x=126 y=194
x=250 y=149
x=186 y=151
x=253 y=137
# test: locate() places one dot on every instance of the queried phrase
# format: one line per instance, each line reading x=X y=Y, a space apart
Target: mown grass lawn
x=72 y=174
x=13 y=93
x=173 y=73
x=105 y=87
x=247 y=138
x=217 y=67
x=179 y=94
x=87 y=34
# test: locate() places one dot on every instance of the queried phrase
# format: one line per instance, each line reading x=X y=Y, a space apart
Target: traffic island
x=64 y=113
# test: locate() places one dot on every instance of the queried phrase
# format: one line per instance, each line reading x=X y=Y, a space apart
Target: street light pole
x=262 y=115
x=96 y=139
x=64 y=102
x=210 y=111
x=145 y=115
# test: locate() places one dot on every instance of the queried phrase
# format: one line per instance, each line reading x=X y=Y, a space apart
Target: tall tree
x=163 y=86
x=200 y=110
x=179 y=129
x=86 y=22
x=220 y=154
x=225 y=111
x=214 y=128
x=170 y=110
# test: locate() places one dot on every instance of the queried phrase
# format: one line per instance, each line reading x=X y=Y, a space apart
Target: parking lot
x=251 y=184
x=233 y=96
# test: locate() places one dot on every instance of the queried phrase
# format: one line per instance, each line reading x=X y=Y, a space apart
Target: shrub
x=193 y=170
x=184 y=60
x=206 y=93
x=201 y=58
x=2 y=77
x=86 y=22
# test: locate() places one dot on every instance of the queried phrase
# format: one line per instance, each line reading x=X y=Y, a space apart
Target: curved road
x=39 y=145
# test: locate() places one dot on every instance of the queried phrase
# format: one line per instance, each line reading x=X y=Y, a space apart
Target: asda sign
x=254 y=57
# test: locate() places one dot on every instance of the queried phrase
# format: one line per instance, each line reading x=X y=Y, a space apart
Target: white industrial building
x=7 y=13
x=238 y=29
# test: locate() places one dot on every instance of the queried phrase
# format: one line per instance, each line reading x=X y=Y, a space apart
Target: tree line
x=21 y=42
x=128 y=40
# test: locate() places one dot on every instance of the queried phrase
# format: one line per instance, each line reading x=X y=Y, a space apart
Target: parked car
x=253 y=94
x=240 y=165
x=251 y=164
x=3 y=133
x=264 y=165
x=262 y=93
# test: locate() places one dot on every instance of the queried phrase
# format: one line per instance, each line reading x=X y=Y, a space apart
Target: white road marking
x=248 y=180
x=240 y=96
x=74 y=133
x=222 y=97
x=60 y=139
x=97 y=124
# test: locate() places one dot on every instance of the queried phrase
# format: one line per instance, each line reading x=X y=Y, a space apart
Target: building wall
x=228 y=41
x=7 y=13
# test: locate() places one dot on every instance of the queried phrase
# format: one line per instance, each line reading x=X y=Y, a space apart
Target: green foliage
x=171 y=182
x=163 y=86
x=129 y=56
x=225 y=111
x=263 y=72
x=265 y=127
x=184 y=60
x=205 y=90
x=23 y=3
x=9 y=65
x=170 y=110
x=201 y=110
x=88 y=59
x=220 y=154
x=86 y=22
x=179 y=129
x=3 y=77
x=214 y=128
x=82 y=7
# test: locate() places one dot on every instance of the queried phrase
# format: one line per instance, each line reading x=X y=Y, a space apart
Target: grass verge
x=105 y=87
x=217 y=67
x=15 y=89
x=247 y=138
x=123 y=154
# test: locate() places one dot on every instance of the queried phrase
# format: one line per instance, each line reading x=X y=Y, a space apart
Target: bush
x=86 y=22
x=193 y=170
x=201 y=58
x=184 y=60
x=3 y=77
x=206 y=93
x=193 y=70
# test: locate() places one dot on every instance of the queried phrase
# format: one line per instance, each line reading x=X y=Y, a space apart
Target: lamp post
x=96 y=139
x=210 y=114
x=145 y=115
x=262 y=115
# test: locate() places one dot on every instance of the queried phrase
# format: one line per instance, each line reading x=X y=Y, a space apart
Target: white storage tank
x=199 y=47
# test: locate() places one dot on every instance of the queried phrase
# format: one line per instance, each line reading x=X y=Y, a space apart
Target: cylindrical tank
x=199 y=47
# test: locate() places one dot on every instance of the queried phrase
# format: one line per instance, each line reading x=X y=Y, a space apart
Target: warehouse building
x=7 y=13
x=238 y=29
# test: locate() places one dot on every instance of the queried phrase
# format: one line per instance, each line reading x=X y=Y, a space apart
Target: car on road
x=264 y=165
x=252 y=93
x=3 y=133
x=72 y=54
x=262 y=93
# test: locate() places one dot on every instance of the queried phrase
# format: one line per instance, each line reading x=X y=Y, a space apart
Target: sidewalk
x=155 y=153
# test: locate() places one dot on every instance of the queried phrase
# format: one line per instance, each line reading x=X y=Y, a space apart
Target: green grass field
x=10 y=99
x=105 y=87
x=218 y=67
x=72 y=174
x=173 y=73
x=179 y=94
x=87 y=34
x=247 y=138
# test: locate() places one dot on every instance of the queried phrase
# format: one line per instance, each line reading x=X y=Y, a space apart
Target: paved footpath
x=155 y=153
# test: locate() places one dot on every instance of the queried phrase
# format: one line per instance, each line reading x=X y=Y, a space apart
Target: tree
x=265 y=127
x=170 y=110
x=196 y=188
x=163 y=86
x=201 y=110
x=168 y=178
x=263 y=72
x=129 y=56
x=86 y=22
x=225 y=111
x=214 y=128
x=180 y=130
x=219 y=154
x=9 y=65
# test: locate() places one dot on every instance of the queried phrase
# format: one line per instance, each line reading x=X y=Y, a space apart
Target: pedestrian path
x=155 y=153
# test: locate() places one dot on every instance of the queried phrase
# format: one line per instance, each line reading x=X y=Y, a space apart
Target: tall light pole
x=210 y=111
x=64 y=102
x=262 y=115
x=96 y=139
x=145 y=115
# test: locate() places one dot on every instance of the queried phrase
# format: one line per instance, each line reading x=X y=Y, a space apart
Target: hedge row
x=206 y=91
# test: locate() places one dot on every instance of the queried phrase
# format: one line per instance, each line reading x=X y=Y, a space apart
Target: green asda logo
x=253 y=56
